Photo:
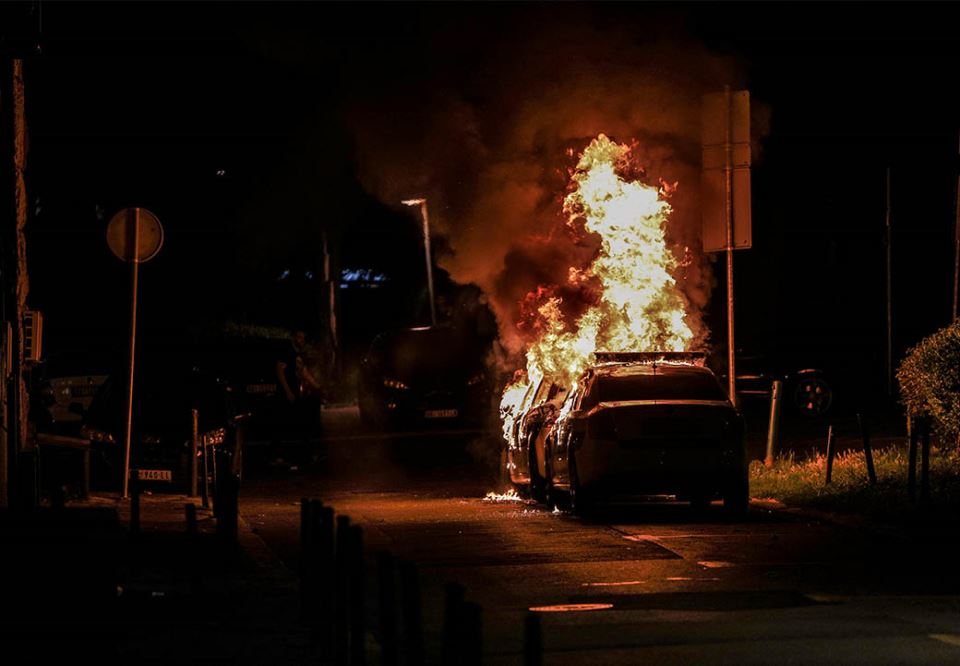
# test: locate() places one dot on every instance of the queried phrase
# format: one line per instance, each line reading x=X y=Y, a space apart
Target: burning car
x=537 y=412
x=429 y=375
x=643 y=424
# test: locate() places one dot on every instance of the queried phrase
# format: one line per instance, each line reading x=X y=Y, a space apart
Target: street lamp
x=426 y=250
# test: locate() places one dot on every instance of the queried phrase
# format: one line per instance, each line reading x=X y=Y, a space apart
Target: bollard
x=387 y=609
x=194 y=448
x=867 y=449
x=831 y=446
x=773 y=430
x=452 y=645
x=913 y=430
x=341 y=607
x=412 y=625
x=358 y=629
x=471 y=630
x=925 y=461
x=532 y=640
x=190 y=516
x=135 y=504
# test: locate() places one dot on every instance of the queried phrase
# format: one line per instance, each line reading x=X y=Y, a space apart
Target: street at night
x=462 y=333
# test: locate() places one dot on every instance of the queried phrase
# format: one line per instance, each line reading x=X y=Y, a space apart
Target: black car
x=431 y=375
x=645 y=426
x=161 y=440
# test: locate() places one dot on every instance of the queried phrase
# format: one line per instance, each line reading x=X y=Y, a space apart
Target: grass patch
x=800 y=483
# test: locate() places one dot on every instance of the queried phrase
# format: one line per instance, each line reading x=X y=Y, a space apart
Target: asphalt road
x=664 y=584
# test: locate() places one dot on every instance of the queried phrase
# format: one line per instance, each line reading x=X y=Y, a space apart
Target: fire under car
x=640 y=425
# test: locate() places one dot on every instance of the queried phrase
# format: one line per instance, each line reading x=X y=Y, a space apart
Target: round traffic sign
x=135 y=234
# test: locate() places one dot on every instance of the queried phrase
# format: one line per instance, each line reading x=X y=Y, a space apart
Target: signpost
x=135 y=236
x=725 y=191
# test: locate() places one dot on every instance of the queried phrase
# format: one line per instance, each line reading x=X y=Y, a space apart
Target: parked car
x=537 y=412
x=423 y=376
x=161 y=448
x=808 y=390
x=641 y=424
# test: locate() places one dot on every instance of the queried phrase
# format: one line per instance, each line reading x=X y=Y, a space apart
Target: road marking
x=711 y=564
x=682 y=578
x=570 y=608
x=949 y=639
x=622 y=583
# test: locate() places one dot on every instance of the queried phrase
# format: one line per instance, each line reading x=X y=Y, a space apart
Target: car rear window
x=687 y=386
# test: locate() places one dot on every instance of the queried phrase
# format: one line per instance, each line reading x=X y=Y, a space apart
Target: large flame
x=640 y=308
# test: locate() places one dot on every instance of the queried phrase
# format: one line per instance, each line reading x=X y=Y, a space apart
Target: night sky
x=250 y=129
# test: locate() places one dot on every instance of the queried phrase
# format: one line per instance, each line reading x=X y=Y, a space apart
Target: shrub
x=929 y=379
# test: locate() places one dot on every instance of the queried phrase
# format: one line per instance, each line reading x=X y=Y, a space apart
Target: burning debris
x=509 y=496
x=638 y=305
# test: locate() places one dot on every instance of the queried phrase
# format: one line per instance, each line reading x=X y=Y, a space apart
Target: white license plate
x=154 y=475
x=441 y=414
x=261 y=388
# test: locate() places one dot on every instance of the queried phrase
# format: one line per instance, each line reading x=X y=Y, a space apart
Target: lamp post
x=426 y=250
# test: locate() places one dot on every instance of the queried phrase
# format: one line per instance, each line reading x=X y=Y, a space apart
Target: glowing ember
x=640 y=308
x=509 y=496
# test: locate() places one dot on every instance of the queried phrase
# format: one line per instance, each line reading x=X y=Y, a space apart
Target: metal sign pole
x=728 y=192
x=134 y=230
x=426 y=249
x=889 y=248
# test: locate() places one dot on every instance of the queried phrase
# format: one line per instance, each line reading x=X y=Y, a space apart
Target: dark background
x=224 y=120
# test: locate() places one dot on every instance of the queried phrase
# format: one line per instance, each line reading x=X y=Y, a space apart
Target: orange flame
x=640 y=308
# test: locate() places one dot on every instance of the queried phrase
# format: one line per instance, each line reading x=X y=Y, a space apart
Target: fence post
x=831 y=446
x=341 y=609
x=451 y=648
x=358 y=630
x=412 y=634
x=867 y=449
x=913 y=428
x=386 y=579
x=773 y=429
x=194 y=448
x=532 y=640
x=925 y=460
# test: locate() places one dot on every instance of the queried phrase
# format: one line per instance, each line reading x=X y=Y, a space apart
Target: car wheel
x=736 y=497
x=812 y=395
x=579 y=501
x=554 y=498
x=538 y=485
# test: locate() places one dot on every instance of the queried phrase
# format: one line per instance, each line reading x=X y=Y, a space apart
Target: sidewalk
x=82 y=585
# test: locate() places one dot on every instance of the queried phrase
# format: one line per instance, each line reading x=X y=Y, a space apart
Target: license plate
x=261 y=388
x=441 y=413
x=154 y=475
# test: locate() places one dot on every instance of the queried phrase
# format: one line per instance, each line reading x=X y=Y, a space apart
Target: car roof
x=648 y=369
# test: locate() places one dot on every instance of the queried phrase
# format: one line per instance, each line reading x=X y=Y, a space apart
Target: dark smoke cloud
x=490 y=132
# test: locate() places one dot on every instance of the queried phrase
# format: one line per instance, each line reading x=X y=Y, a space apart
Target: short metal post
x=190 y=516
x=341 y=614
x=532 y=640
x=925 y=461
x=194 y=447
x=773 y=430
x=358 y=616
x=913 y=428
x=471 y=629
x=451 y=645
x=831 y=445
x=412 y=628
x=867 y=449
x=386 y=579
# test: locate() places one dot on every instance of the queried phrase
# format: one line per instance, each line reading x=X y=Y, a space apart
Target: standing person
x=301 y=392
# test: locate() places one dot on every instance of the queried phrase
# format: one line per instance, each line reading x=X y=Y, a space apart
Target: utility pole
x=18 y=478
x=889 y=246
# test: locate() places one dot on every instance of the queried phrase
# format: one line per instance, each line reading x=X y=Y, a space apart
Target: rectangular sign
x=154 y=475
x=720 y=124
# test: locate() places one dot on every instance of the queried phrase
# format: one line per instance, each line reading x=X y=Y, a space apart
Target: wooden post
x=867 y=449
x=412 y=628
x=386 y=579
x=925 y=461
x=532 y=640
x=913 y=428
x=831 y=446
